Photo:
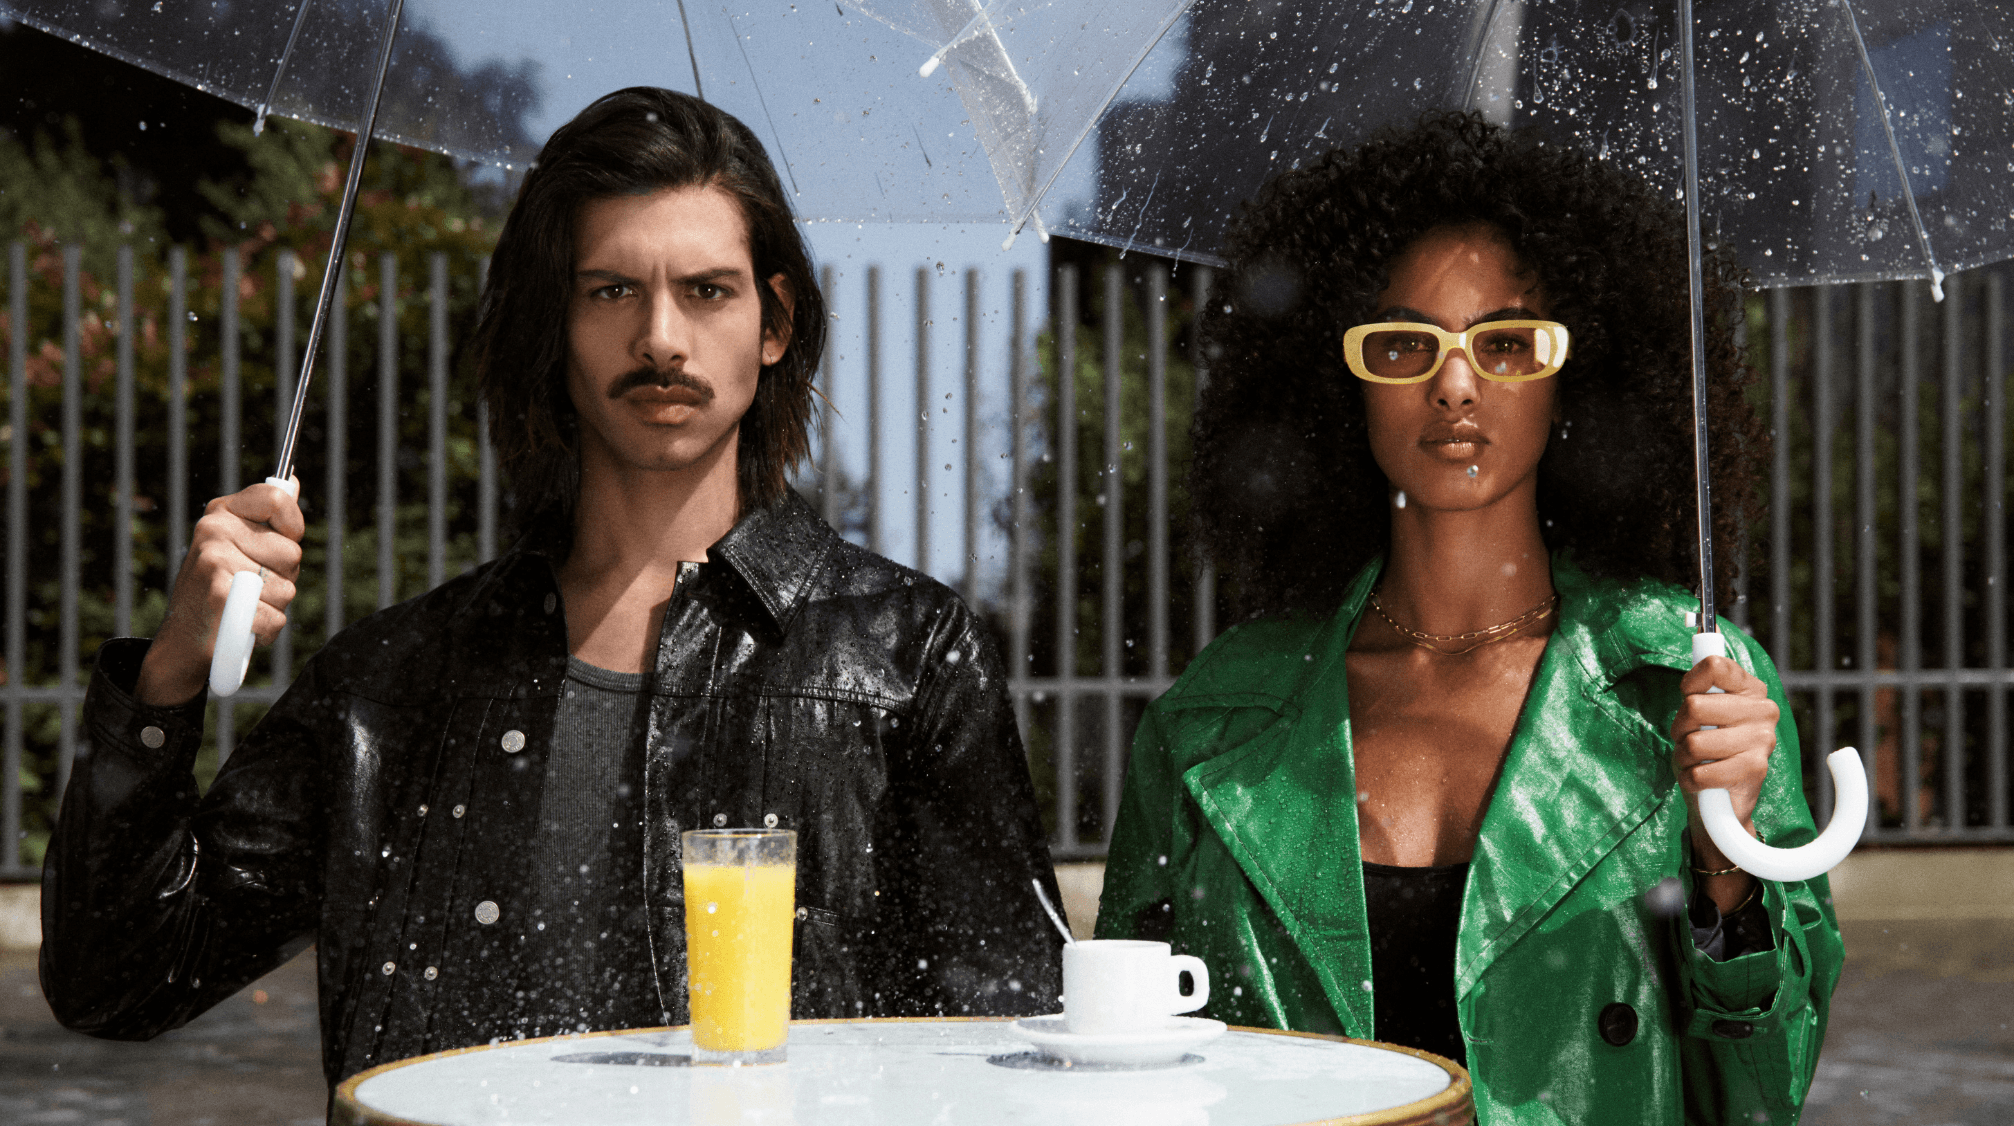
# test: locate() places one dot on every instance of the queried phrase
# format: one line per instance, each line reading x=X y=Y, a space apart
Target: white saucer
x=1162 y=1045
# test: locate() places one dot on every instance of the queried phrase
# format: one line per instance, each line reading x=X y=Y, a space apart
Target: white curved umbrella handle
x=233 y=652
x=1849 y=811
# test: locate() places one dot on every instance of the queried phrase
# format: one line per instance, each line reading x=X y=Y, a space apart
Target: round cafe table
x=966 y=1072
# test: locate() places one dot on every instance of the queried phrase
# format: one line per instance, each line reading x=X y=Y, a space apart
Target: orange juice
x=737 y=950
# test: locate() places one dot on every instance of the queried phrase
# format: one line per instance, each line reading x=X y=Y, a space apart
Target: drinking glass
x=740 y=901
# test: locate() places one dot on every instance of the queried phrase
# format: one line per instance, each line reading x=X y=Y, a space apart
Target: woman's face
x=1458 y=441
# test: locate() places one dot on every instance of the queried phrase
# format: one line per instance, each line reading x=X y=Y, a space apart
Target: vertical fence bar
x=1824 y=630
x=923 y=419
x=1951 y=745
x=971 y=437
x=17 y=554
x=828 y=420
x=486 y=460
x=1113 y=566
x=1017 y=469
x=230 y=415
x=437 y=422
x=1157 y=472
x=1867 y=656
x=1779 y=478
x=122 y=530
x=1066 y=558
x=875 y=541
x=73 y=504
x=1205 y=610
x=285 y=368
x=388 y=428
x=1911 y=642
x=336 y=393
x=178 y=410
x=1993 y=529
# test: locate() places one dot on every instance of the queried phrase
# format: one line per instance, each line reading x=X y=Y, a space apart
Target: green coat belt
x=1237 y=842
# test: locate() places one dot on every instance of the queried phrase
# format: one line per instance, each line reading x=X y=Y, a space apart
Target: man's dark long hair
x=635 y=140
x=1287 y=498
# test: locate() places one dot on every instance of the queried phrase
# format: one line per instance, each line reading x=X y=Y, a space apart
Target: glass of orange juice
x=740 y=901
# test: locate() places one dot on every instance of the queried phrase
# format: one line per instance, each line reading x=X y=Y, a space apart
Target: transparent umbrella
x=860 y=129
x=1813 y=140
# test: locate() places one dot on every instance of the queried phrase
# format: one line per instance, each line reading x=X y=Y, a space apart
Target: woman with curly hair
x=1439 y=787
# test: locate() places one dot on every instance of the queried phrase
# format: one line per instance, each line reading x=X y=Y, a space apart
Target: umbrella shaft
x=332 y=272
x=1696 y=265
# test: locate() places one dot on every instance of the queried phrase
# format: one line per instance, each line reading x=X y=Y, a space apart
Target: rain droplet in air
x=192 y=316
x=1472 y=470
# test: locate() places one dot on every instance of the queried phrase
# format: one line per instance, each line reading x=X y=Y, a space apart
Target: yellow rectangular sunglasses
x=1499 y=351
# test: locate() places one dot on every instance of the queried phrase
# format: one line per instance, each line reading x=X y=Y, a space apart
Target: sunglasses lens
x=1508 y=353
x=1400 y=354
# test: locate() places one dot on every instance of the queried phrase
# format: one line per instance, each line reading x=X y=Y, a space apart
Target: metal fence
x=1886 y=536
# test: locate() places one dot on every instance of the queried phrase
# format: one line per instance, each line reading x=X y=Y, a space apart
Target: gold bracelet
x=1743 y=905
x=1722 y=872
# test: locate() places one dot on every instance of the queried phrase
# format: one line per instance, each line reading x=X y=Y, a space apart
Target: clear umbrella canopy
x=833 y=89
x=1807 y=173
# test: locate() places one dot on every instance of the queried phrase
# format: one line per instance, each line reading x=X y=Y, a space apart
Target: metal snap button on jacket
x=1733 y=1029
x=1617 y=1023
x=487 y=912
x=769 y=821
x=513 y=741
x=719 y=820
x=153 y=737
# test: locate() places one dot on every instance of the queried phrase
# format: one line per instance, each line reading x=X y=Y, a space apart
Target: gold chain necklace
x=1489 y=634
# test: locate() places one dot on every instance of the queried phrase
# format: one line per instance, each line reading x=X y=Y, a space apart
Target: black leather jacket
x=384 y=805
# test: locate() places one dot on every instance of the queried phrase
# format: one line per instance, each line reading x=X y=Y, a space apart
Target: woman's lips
x=1462 y=449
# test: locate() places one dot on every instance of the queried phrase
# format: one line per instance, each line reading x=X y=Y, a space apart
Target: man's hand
x=257 y=529
x=1734 y=756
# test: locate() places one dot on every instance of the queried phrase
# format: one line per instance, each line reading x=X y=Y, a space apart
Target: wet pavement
x=1920 y=1034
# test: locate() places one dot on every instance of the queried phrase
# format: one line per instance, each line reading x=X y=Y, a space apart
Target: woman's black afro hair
x=1286 y=498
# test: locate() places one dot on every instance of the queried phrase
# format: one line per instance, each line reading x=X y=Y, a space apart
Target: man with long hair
x=472 y=801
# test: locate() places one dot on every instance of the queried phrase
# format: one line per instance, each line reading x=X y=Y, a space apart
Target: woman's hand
x=257 y=529
x=1733 y=756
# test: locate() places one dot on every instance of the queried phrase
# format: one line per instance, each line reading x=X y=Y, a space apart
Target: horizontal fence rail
x=1882 y=562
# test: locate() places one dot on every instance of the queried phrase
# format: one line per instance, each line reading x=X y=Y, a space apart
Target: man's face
x=664 y=328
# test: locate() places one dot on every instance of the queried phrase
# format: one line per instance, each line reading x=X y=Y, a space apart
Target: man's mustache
x=651 y=377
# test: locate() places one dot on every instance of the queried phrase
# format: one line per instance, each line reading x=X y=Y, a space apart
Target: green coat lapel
x=1583 y=770
x=1284 y=805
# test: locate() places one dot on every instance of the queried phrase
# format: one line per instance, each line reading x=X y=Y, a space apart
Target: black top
x=386 y=806
x=1414 y=916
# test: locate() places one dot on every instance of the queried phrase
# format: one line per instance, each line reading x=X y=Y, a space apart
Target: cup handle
x=1198 y=973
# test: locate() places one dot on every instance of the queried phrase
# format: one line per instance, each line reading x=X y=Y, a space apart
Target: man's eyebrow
x=1407 y=313
x=610 y=276
x=718 y=273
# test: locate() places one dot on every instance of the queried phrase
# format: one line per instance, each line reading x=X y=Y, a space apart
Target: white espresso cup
x=1126 y=985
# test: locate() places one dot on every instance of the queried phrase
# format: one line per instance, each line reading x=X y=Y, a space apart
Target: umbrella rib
x=1478 y=45
x=1894 y=151
x=1147 y=48
x=280 y=71
x=691 y=53
x=735 y=26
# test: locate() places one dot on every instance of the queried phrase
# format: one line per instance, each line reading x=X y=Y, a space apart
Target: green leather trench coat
x=1237 y=842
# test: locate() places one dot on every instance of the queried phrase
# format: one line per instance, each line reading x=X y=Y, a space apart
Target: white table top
x=891 y=1071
